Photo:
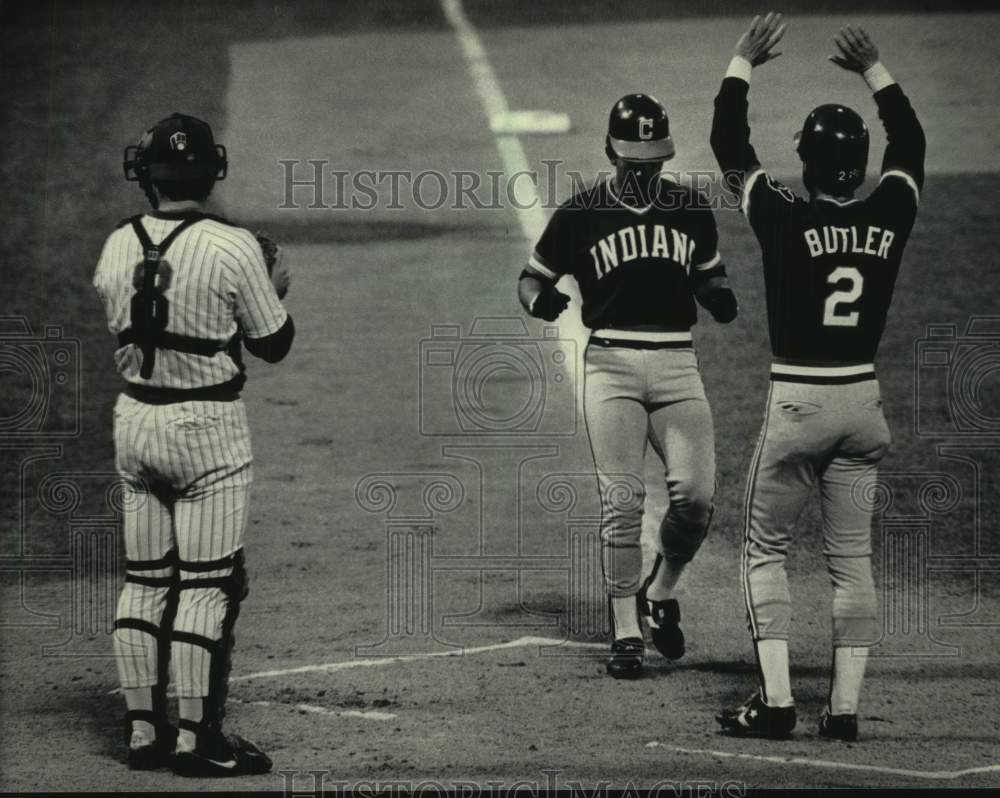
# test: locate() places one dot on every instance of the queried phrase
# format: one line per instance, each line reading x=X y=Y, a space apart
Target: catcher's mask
x=833 y=145
x=638 y=130
x=179 y=148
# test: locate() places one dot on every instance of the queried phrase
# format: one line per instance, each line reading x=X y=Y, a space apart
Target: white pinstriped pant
x=187 y=473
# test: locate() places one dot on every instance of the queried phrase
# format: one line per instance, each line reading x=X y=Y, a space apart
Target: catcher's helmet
x=638 y=129
x=833 y=146
x=178 y=148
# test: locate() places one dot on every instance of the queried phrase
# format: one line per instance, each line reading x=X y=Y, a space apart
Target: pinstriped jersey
x=216 y=286
x=632 y=264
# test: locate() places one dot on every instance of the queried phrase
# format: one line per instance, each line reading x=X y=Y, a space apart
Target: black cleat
x=664 y=619
x=150 y=756
x=756 y=719
x=218 y=755
x=839 y=727
x=144 y=754
x=626 y=658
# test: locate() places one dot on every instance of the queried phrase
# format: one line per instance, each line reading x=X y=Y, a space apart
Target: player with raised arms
x=830 y=265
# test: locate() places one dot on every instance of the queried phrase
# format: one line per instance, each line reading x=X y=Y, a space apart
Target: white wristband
x=877 y=77
x=740 y=68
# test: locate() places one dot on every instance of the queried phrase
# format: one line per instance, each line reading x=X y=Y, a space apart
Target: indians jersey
x=633 y=265
x=212 y=286
x=829 y=266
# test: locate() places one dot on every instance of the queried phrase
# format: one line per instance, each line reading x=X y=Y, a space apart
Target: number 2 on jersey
x=843 y=296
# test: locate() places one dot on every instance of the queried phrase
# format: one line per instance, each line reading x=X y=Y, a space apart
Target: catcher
x=183 y=292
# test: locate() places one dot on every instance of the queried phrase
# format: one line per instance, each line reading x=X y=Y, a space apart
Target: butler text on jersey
x=830 y=240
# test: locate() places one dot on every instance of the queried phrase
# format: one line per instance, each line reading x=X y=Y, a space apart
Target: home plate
x=514 y=123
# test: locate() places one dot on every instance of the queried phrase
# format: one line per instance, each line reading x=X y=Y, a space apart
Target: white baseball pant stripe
x=826 y=435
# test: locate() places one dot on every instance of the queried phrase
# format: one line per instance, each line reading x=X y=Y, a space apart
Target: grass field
x=384 y=85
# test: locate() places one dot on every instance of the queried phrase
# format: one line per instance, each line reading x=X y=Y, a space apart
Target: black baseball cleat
x=626 y=658
x=756 y=719
x=149 y=756
x=664 y=619
x=145 y=754
x=218 y=755
x=838 y=727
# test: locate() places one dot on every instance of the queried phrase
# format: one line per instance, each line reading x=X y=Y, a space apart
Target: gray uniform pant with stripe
x=186 y=469
x=833 y=437
x=636 y=397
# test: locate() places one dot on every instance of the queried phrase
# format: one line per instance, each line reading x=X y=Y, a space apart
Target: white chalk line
x=522 y=642
x=314 y=709
x=530 y=214
x=827 y=764
x=381 y=662
x=532 y=219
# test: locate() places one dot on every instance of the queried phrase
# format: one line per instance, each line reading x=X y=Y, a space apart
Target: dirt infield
x=422 y=602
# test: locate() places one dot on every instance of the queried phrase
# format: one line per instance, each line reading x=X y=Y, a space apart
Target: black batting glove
x=721 y=303
x=549 y=303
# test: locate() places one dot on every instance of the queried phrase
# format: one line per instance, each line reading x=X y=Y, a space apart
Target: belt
x=639 y=339
x=819 y=374
x=152 y=395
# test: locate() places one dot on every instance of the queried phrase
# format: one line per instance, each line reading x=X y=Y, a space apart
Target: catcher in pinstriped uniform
x=184 y=292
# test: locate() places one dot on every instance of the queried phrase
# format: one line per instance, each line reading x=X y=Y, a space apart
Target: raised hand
x=757 y=43
x=857 y=52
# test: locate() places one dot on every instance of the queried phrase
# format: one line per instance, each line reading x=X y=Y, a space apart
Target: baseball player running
x=830 y=263
x=642 y=248
x=181 y=290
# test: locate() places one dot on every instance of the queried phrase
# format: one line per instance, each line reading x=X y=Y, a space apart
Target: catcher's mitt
x=270 y=250
x=272 y=259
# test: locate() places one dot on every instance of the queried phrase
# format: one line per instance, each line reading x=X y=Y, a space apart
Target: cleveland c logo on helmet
x=639 y=130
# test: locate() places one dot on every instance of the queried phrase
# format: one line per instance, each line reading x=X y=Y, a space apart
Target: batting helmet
x=833 y=146
x=175 y=149
x=638 y=129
